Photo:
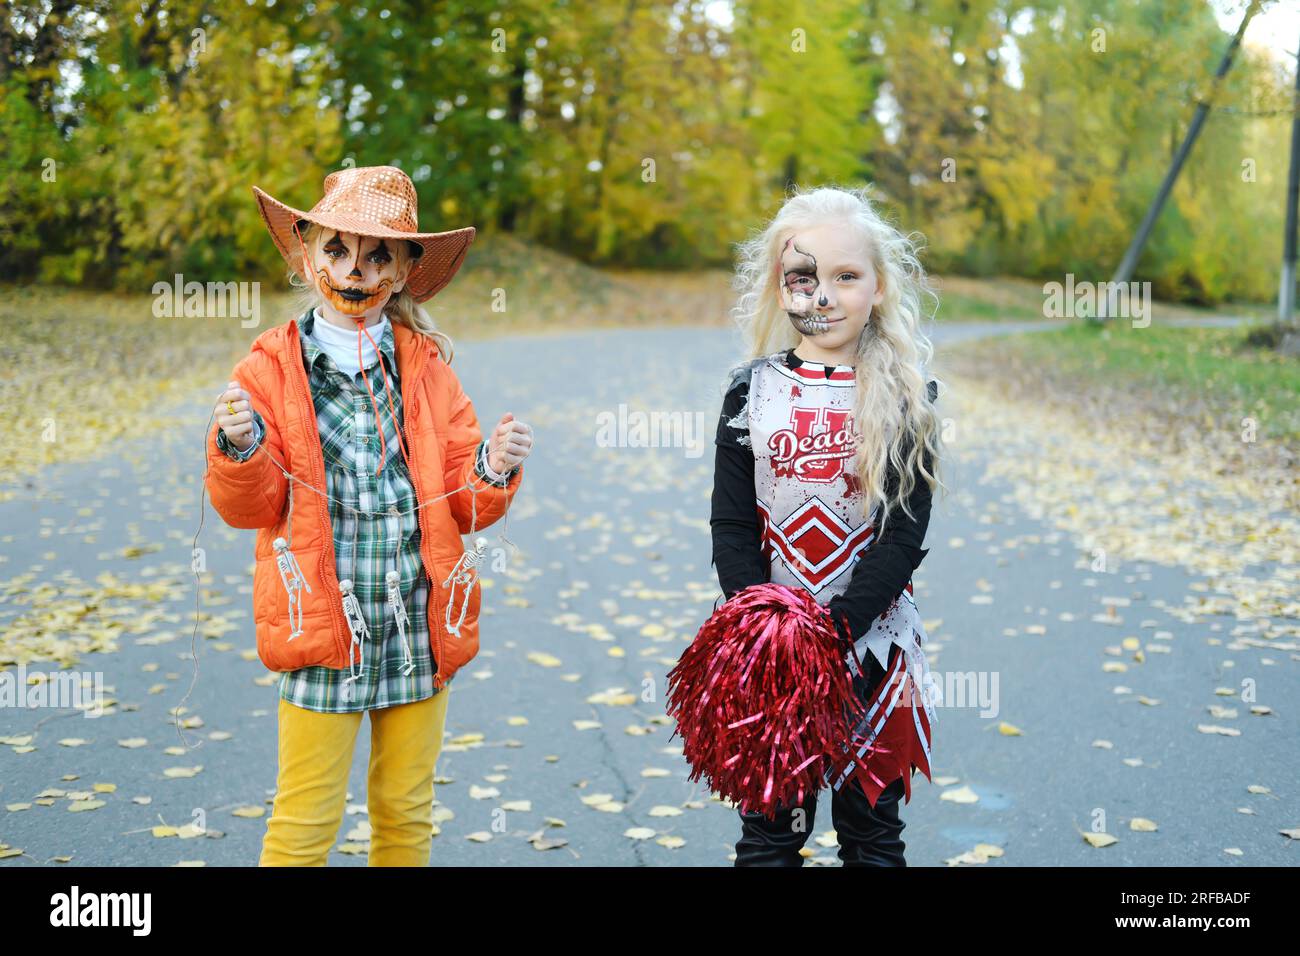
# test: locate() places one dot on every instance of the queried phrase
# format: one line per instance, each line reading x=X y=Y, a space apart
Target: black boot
x=867 y=836
x=777 y=842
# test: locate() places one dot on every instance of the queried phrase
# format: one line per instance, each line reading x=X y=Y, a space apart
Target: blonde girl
x=831 y=407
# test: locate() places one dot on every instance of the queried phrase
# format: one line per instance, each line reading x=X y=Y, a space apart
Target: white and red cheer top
x=788 y=508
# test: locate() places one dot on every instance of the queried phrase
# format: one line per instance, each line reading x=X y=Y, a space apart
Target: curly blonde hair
x=898 y=425
x=401 y=308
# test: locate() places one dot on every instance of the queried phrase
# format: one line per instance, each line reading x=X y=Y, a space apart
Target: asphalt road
x=611 y=578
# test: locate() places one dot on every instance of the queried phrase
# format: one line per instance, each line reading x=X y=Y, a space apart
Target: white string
x=470 y=485
x=465 y=566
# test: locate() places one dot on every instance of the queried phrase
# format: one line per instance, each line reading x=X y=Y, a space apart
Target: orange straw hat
x=371 y=201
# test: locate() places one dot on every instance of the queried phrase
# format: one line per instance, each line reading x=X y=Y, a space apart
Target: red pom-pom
x=763 y=698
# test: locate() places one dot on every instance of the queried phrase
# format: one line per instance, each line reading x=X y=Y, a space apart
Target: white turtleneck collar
x=341 y=344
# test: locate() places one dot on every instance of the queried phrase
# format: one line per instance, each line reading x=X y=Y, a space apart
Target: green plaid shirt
x=390 y=540
x=350 y=441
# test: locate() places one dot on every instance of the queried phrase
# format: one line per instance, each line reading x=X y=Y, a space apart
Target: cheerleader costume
x=787 y=508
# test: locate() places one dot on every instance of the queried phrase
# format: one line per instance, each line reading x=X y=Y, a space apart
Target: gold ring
x=230 y=407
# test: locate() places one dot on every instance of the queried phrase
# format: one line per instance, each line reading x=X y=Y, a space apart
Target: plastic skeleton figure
x=463 y=574
x=360 y=631
x=398 y=607
x=292 y=578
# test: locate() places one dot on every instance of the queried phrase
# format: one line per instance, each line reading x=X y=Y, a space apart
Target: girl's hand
x=510 y=444
x=239 y=426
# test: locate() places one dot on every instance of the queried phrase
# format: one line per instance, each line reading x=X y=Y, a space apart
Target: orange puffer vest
x=442 y=437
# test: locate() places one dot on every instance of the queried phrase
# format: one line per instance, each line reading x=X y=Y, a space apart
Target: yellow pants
x=311 y=789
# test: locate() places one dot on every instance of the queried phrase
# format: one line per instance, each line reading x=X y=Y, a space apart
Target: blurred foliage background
x=639 y=133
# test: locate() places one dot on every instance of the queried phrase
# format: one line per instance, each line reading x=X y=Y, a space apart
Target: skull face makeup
x=800 y=284
x=356 y=275
x=828 y=288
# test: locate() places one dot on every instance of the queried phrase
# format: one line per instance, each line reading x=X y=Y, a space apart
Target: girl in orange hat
x=347 y=441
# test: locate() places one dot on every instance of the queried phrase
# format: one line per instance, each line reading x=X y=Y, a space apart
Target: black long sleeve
x=734 y=522
x=882 y=571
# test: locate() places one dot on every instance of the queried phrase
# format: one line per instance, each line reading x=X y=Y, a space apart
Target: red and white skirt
x=894 y=734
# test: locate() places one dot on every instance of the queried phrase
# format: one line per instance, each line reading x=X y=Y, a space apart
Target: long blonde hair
x=401 y=308
x=892 y=411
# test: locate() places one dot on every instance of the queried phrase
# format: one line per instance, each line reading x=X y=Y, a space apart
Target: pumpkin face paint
x=356 y=275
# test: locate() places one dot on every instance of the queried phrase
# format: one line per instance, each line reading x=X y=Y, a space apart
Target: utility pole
x=1286 y=292
x=1129 y=262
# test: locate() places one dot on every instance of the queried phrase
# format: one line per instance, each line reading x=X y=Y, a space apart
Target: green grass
x=959 y=307
x=1209 y=368
x=1011 y=299
x=999 y=299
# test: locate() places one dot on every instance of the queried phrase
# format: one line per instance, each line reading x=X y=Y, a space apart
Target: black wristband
x=842 y=627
